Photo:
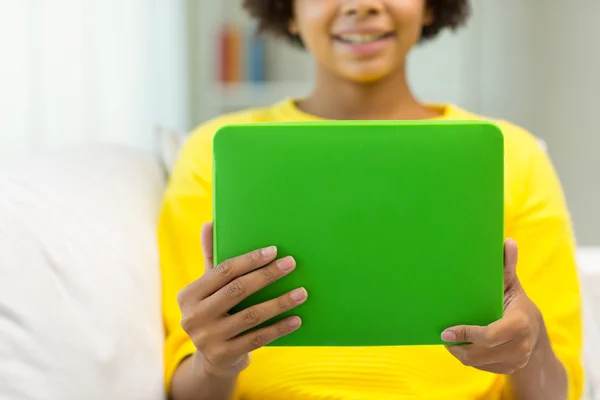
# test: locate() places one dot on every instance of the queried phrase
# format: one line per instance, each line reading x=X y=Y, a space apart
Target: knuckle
x=283 y=304
x=181 y=297
x=462 y=333
x=258 y=339
x=268 y=274
x=253 y=257
x=187 y=323
x=252 y=316
x=191 y=295
x=281 y=330
x=224 y=268
x=201 y=338
x=235 y=289
x=522 y=324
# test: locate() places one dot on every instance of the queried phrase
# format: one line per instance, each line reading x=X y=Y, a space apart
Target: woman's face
x=360 y=40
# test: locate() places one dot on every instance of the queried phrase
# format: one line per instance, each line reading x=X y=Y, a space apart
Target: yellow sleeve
x=186 y=207
x=547 y=268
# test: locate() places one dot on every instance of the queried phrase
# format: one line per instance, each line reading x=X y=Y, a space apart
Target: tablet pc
x=397 y=228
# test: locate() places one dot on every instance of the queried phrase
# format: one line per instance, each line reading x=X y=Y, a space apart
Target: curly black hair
x=273 y=16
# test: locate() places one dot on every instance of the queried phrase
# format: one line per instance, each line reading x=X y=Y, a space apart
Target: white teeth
x=358 y=38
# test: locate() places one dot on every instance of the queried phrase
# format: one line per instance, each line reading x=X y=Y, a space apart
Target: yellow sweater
x=536 y=217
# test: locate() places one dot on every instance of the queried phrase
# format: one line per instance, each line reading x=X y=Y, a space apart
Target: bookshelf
x=232 y=70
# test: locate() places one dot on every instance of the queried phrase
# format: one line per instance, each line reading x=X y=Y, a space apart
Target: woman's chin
x=367 y=74
x=367 y=77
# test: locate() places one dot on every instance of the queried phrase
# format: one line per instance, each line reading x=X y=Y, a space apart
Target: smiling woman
x=360 y=49
x=337 y=42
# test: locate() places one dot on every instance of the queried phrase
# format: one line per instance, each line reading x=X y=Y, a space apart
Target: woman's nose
x=361 y=8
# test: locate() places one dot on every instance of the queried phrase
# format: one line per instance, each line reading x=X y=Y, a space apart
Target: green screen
x=396 y=227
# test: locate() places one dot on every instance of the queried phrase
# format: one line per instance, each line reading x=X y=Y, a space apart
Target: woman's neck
x=387 y=99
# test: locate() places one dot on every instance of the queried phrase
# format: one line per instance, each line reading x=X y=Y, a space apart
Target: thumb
x=465 y=334
x=207 y=245
x=511 y=256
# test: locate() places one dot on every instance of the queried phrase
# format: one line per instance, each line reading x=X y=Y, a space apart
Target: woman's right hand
x=222 y=343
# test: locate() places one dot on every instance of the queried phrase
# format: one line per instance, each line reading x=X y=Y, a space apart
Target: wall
x=75 y=71
x=540 y=69
x=566 y=105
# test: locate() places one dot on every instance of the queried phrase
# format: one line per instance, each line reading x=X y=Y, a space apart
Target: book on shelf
x=242 y=55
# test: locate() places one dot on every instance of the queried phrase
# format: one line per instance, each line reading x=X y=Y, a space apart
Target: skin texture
x=352 y=86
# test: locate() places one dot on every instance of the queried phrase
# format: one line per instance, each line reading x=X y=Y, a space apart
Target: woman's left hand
x=506 y=345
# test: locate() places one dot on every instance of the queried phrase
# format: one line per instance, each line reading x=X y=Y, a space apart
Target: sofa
x=80 y=314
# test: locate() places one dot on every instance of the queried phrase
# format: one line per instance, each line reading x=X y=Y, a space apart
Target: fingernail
x=295 y=322
x=449 y=336
x=299 y=295
x=268 y=251
x=287 y=263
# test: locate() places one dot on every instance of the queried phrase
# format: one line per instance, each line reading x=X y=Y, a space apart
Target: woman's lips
x=363 y=44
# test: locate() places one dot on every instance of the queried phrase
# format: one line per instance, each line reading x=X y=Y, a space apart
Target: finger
x=237 y=290
x=465 y=334
x=258 y=314
x=511 y=256
x=513 y=325
x=207 y=246
x=477 y=356
x=261 y=337
x=223 y=274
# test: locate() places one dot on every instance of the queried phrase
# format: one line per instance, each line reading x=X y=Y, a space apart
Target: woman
x=360 y=48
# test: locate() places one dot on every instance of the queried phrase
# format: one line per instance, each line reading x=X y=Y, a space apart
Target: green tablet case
x=396 y=227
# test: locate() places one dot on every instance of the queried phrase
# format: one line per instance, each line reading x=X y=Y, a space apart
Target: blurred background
x=84 y=71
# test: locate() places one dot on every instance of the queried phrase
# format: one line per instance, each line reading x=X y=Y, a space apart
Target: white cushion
x=589 y=268
x=80 y=314
x=170 y=143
